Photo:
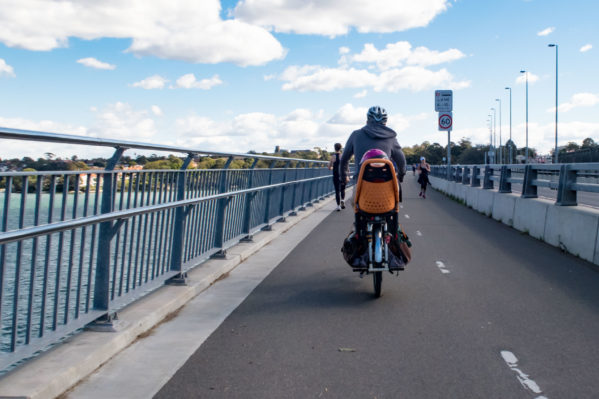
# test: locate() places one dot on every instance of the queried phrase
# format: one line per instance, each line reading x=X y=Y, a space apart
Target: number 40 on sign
x=445 y=121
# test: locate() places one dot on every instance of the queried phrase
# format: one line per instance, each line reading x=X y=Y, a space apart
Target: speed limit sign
x=445 y=121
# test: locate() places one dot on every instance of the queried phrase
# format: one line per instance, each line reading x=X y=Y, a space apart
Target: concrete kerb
x=60 y=368
x=530 y=215
x=504 y=207
x=573 y=230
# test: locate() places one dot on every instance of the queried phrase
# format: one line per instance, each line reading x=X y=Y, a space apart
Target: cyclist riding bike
x=375 y=243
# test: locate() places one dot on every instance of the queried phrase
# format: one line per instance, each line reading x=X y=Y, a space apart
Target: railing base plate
x=222 y=254
x=180 y=279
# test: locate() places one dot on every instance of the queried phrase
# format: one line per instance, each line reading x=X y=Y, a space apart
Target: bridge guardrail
x=76 y=246
x=564 y=180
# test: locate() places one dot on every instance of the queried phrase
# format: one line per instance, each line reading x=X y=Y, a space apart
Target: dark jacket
x=373 y=135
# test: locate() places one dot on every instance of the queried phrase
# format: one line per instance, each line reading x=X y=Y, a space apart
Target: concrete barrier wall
x=574 y=229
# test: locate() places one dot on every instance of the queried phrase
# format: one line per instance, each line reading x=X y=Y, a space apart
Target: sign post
x=444 y=106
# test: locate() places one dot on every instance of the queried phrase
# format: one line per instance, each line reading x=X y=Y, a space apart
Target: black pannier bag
x=354 y=251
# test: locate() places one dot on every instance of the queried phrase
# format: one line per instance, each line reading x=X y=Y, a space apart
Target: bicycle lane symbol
x=445 y=121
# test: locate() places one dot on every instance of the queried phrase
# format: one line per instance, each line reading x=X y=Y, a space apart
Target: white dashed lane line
x=524 y=379
x=442 y=268
x=407 y=216
x=418 y=233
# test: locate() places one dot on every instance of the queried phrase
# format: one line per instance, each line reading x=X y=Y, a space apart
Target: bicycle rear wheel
x=377 y=278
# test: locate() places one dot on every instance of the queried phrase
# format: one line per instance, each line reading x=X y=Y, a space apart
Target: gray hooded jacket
x=373 y=135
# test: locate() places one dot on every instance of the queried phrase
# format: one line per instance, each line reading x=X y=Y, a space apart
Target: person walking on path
x=339 y=185
x=423 y=169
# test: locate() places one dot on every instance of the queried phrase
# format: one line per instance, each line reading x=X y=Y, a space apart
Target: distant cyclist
x=375 y=134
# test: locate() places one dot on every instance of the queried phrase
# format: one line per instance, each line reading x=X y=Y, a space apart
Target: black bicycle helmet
x=377 y=114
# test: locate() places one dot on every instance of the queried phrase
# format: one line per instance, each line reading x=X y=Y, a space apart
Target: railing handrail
x=32 y=135
x=112 y=172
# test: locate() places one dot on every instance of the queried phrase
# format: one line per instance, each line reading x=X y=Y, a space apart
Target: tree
x=588 y=143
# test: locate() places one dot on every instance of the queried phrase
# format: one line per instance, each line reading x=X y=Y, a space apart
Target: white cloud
x=94 y=63
x=401 y=53
x=337 y=17
x=394 y=68
x=156 y=110
x=532 y=78
x=546 y=31
x=361 y=94
x=120 y=121
x=152 y=82
x=6 y=70
x=586 y=48
x=185 y=30
x=349 y=115
x=578 y=100
x=318 y=78
x=189 y=81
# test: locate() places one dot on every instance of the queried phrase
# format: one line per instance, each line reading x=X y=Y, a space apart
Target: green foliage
x=172 y=162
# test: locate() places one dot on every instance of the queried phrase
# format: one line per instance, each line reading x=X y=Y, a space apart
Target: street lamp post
x=490 y=121
x=511 y=142
x=555 y=151
x=526 y=152
x=500 y=141
x=494 y=135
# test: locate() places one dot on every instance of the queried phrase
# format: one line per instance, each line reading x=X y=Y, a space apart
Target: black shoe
x=342 y=204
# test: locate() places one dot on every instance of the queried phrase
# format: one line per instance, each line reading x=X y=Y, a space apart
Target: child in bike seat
x=377 y=190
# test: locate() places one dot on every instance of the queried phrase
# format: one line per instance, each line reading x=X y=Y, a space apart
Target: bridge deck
x=480 y=308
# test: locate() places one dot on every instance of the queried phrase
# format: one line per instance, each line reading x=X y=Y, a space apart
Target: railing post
x=266 y=219
x=475 y=176
x=107 y=232
x=466 y=175
x=529 y=189
x=283 y=189
x=179 y=224
x=565 y=195
x=505 y=186
x=219 y=233
x=487 y=182
x=303 y=203
x=311 y=195
x=458 y=174
x=248 y=204
x=293 y=211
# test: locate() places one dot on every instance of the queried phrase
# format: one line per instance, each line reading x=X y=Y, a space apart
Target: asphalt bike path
x=481 y=311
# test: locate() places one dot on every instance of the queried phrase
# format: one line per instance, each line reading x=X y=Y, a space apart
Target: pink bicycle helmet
x=374 y=153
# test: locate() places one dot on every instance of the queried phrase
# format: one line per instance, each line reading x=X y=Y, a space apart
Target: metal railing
x=76 y=246
x=567 y=184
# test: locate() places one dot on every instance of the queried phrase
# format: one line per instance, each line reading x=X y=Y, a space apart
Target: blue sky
x=251 y=74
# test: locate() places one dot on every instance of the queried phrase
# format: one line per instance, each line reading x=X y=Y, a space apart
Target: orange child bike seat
x=377 y=190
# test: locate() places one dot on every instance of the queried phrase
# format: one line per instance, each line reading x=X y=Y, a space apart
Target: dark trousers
x=339 y=189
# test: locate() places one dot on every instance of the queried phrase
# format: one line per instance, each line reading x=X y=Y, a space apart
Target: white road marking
x=442 y=268
x=527 y=383
x=407 y=216
x=418 y=233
